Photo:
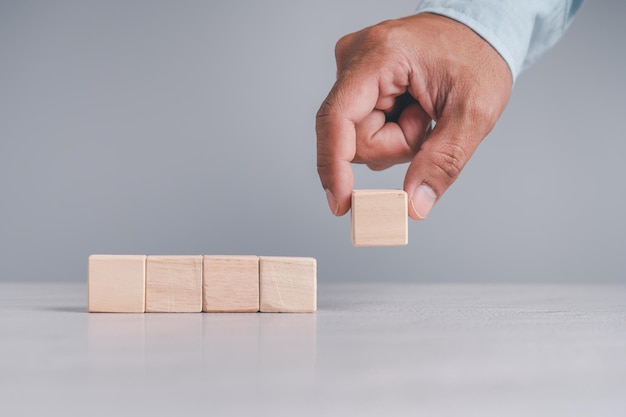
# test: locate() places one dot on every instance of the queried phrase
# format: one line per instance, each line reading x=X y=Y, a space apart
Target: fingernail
x=332 y=202
x=423 y=200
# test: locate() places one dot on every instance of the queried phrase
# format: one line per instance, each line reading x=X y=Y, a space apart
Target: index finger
x=351 y=99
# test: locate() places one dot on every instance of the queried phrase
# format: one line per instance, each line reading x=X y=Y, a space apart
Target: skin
x=394 y=80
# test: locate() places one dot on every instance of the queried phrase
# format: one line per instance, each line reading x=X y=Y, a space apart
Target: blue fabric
x=520 y=30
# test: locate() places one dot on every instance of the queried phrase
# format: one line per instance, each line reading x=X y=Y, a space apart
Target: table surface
x=371 y=349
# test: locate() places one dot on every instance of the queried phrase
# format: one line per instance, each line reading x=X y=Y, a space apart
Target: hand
x=393 y=80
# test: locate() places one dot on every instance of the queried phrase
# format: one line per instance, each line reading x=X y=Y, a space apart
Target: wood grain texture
x=174 y=284
x=288 y=285
x=231 y=284
x=116 y=284
x=379 y=218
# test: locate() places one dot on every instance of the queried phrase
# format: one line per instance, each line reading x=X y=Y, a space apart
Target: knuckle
x=368 y=149
x=363 y=152
x=322 y=169
x=376 y=34
x=360 y=47
x=341 y=46
x=449 y=159
x=381 y=33
x=482 y=112
x=326 y=110
x=324 y=166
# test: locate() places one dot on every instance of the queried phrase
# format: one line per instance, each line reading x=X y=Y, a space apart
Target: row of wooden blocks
x=192 y=284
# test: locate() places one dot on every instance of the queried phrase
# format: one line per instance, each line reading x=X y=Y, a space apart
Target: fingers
x=369 y=117
x=349 y=130
x=351 y=119
x=381 y=144
x=415 y=124
x=438 y=163
x=349 y=102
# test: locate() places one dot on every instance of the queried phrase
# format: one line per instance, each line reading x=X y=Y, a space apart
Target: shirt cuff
x=520 y=31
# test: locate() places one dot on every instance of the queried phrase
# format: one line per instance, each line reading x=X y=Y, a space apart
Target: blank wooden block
x=288 y=285
x=231 y=284
x=174 y=284
x=116 y=284
x=379 y=218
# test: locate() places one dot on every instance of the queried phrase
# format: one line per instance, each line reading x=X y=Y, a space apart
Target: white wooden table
x=371 y=350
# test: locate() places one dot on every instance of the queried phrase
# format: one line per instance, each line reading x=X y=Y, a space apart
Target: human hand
x=393 y=80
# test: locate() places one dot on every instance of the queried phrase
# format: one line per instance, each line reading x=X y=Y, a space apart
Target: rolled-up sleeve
x=521 y=31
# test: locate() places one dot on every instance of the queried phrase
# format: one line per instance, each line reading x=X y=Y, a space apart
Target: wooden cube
x=231 y=284
x=288 y=285
x=174 y=284
x=379 y=218
x=116 y=284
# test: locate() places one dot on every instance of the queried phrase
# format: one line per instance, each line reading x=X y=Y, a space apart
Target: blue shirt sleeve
x=521 y=31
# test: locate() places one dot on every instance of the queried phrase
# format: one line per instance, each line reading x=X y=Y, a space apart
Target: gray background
x=188 y=128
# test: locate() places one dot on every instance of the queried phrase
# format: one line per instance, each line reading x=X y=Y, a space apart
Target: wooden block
x=174 y=284
x=288 y=285
x=379 y=218
x=231 y=284
x=116 y=284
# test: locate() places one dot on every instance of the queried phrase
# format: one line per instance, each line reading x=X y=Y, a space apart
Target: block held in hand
x=379 y=218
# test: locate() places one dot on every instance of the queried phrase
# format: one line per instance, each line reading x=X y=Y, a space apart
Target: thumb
x=438 y=164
